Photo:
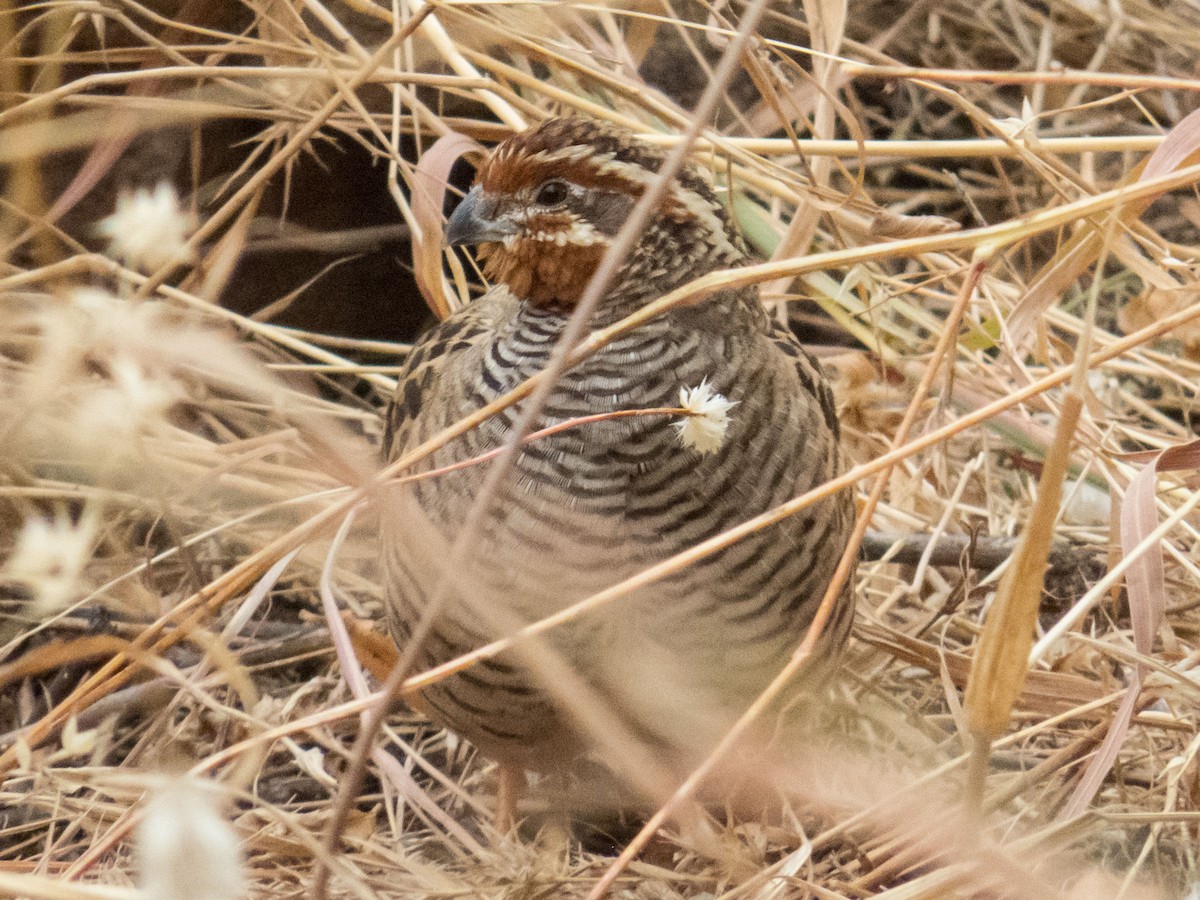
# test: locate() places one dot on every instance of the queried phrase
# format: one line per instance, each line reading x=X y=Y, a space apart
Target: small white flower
x=1086 y=504
x=93 y=302
x=145 y=395
x=1018 y=127
x=76 y=742
x=49 y=559
x=148 y=229
x=707 y=420
x=186 y=847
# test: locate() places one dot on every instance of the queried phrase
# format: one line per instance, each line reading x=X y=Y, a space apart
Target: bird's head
x=547 y=202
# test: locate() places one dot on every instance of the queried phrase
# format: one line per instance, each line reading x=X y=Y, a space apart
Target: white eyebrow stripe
x=703 y=210
x=566 y=154
x=579 y=234
x=698 y=206
x=585 y=234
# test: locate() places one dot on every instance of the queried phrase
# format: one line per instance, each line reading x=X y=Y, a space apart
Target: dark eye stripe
x=602 y=210
x=606 y=211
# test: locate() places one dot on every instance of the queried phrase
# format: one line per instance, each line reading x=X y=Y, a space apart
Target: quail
x=675 y=662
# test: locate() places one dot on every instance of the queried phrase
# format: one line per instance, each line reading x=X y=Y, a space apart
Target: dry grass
x=181 y=448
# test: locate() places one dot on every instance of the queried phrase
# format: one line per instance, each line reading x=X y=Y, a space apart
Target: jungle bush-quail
x=676 y=662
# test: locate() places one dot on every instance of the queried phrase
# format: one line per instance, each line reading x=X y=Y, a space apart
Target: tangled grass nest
x=981 y=216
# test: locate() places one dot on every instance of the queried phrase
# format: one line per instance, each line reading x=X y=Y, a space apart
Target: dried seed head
x=707 y=420
x=49 y=558
x=148 y=229
x=186 y=848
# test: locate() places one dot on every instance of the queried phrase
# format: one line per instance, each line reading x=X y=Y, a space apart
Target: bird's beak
x=475 y=221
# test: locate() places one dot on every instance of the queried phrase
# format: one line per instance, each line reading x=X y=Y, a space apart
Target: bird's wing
x=431 y=356
x=808 y=371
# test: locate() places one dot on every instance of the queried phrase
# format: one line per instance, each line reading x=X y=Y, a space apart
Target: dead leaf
x=1144 y=587
x=887 y=224
x=1157 y=304
x=430 y=181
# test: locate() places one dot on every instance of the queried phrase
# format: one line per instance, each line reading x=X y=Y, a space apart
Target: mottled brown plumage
x=676 y=662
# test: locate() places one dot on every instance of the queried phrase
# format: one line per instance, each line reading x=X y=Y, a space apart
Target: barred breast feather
x=593 y=505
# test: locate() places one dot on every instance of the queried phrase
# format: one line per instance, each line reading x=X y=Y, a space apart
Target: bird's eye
x=551 y=193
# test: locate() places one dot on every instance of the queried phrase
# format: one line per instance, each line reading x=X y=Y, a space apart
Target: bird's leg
x=510 y=785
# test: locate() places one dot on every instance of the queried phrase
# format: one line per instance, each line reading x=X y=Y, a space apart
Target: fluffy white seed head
x=148 y=229
x=186 y=847
x=49 y=560
x=707 y=420
x=1020 y=127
